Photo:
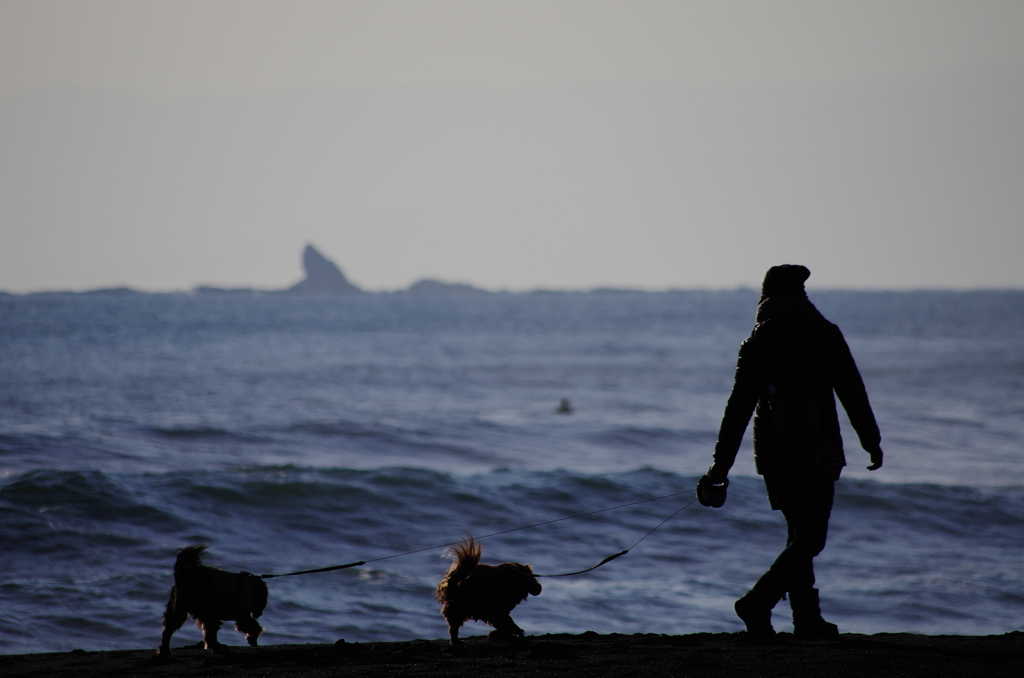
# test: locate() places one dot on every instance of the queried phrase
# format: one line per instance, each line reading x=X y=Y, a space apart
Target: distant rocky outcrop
x=437 y=288
x=112 y=291
x=236 y=291
x=323 y=277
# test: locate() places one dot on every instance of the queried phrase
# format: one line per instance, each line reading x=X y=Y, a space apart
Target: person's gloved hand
x=711 y=488
x=876 y=459
x=717 y=475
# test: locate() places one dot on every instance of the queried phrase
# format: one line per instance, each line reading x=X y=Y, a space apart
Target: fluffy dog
x=486 y=593
x=211 y=595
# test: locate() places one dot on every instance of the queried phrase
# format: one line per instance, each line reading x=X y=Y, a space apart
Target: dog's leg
x=173 y=619
x=210 y=628
x=504 y=627
x=251 y=628
x=454 y=624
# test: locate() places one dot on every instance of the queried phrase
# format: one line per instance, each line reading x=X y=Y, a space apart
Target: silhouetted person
x=786 y=374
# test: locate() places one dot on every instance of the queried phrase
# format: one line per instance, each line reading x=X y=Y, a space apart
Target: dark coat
x=792 y=338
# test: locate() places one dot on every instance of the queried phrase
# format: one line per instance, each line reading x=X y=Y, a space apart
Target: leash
x=319 y=569
x=514 y=529
x=621 y=553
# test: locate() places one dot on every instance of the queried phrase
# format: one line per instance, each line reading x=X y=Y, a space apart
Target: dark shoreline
x=588 y=654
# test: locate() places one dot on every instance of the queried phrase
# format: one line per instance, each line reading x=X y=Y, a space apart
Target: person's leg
x=755 y=607
x=807 y=515
x=806 y=507
x=808 y=520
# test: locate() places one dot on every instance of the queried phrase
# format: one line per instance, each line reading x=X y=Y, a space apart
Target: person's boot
x=807 y=621
x=755 y=609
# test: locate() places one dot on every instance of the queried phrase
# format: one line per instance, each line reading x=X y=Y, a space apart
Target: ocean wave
x=91 y=495
x=198 y=432
x=651 y=436
x=88 y=536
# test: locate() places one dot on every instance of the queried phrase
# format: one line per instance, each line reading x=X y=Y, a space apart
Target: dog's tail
x=190 y=557
x=465 y=556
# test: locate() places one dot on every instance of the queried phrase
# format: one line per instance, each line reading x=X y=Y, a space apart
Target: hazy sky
x=512 y=145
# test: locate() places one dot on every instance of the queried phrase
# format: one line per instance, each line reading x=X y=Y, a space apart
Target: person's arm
x=738 y=409
x=849 y=387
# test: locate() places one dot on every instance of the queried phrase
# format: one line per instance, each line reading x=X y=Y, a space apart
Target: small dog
x=210 y=595
x=486 y=593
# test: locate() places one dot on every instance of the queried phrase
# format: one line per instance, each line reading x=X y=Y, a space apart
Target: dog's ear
x=528 y=580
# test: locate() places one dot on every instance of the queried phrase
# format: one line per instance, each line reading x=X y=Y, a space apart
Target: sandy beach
x=587 y=654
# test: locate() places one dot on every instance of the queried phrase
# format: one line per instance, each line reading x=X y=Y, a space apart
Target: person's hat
x=785 y=279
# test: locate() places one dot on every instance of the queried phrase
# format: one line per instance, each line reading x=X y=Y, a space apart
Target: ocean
x=296 y=433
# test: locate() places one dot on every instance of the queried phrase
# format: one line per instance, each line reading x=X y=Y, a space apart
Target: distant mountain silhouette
x=323 y=277
x=431 y=287
x=238 y=291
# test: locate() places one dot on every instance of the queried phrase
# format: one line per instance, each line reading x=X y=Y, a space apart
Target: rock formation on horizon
x=322 y=276
x=431 y=287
